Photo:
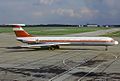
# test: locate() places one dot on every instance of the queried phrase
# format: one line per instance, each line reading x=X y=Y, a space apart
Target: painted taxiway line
x=116 y=57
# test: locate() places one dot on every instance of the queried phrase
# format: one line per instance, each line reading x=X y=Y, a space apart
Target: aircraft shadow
x=20 y=49
x=79 y=49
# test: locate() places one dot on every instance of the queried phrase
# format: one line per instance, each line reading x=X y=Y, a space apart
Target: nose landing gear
x=106 y=48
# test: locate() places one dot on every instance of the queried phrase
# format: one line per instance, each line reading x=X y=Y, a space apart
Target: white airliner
x=54 y=42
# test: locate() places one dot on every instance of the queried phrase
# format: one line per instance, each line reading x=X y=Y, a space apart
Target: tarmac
x=69 y=63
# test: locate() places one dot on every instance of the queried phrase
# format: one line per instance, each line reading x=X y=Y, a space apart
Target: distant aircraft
x=54 y=42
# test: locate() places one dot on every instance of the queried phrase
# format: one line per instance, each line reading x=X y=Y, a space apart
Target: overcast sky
x=60 y=11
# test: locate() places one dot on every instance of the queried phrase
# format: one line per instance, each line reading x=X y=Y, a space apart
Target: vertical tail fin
x=20 y=32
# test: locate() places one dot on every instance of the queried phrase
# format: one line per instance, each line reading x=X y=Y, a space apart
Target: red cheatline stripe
x=72 y=41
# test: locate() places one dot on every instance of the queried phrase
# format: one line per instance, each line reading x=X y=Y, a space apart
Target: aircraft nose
x=116 y=42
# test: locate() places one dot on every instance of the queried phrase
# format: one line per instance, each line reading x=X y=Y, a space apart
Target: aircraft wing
x=44 y=44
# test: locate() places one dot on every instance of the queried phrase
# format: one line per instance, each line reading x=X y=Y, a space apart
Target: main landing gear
x=106 y=48
x=54 y=47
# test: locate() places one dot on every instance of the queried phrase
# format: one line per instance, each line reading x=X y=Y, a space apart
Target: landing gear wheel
x=54 y=47
x=51 y=48
x=106 y=49
x=57 y=47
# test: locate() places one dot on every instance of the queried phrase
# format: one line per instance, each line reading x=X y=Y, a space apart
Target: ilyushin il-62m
x=55 y=42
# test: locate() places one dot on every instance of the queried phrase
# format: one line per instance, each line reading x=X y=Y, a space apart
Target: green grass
x=113 y=34
x=59 y=31
x=54 y=30
x=5 y=30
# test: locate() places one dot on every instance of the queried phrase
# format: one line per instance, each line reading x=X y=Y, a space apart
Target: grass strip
x=113 y=34
x=54 y=30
